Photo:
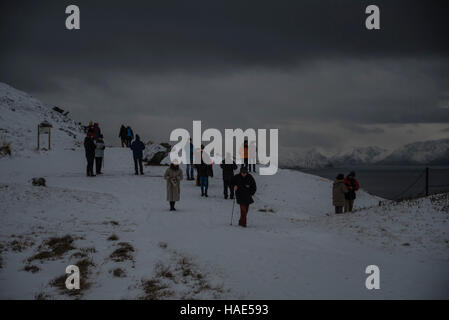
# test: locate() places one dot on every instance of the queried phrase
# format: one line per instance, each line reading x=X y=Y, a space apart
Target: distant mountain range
x=432 y=152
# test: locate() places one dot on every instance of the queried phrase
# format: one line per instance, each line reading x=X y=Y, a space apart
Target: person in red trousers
x=245 y=188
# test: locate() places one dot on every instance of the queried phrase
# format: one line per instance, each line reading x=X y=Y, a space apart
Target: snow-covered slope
x=296 y=158
x=425 y=152
x=432 y=152
x=119 y=228
x=359 y=156
x=20 y=114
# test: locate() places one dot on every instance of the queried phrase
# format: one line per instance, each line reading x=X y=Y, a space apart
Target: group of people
x=242 y=186
x=344 y=192
x=94 y=147
x=126 y=135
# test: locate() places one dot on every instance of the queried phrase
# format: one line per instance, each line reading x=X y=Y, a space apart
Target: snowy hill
x=359 y=156
x=118 y=230
x=295 y=159
x=435 y=152
x=20 y=114
x=432 y=152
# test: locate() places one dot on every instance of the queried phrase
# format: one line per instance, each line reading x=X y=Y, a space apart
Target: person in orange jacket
x=244 y=154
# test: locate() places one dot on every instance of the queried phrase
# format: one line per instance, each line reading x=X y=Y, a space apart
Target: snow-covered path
x=295 y=252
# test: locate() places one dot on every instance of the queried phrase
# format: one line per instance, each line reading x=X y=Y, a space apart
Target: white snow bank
x=294 y=248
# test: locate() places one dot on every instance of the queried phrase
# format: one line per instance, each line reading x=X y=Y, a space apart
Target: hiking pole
x=232 y=216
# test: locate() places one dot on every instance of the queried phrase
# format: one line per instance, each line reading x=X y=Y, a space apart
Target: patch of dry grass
x=84 y=266
x=113 y=237
x=53 y=248
x=119 y=273
x=124 y=252
x=31 y=268
x=155 y=290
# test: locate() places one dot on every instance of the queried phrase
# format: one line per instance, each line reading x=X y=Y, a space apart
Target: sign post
x=44 y=128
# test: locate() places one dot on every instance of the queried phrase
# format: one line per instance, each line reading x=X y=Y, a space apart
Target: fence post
x=427 y=181
x=38 y=138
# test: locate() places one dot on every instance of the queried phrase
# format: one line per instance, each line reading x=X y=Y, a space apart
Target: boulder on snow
x=157 y=158
x=166 y=145
x=156 y=154
x=5 y=149
x=38 y=182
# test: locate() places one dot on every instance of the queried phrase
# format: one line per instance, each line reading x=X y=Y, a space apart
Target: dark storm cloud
x=362 y=130
x=162 y=64
x=157 y=36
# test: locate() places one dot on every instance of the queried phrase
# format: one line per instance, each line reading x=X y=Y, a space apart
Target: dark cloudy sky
x=309 y=68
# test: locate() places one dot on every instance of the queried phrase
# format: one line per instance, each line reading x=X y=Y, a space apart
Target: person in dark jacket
x=245 y=188
x=189 y=166
x=228 y=166
x=352 y=185
x=89 y=147
x=123 y=136
x=137 y=147
x=204 y=171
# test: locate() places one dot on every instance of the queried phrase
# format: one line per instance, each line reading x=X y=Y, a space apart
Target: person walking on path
x=99 y=154
x=189 y=166
x=204 y=171
x=137 y=147
x=173 y=176
x=89 y=147
x=123 y=136
x=353 y=185
x=129 y=135
x=245 y=188
x=228 y=166
x=339 y=191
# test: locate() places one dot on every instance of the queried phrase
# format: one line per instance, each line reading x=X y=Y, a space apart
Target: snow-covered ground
x=130 y=246
x=118 y=230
